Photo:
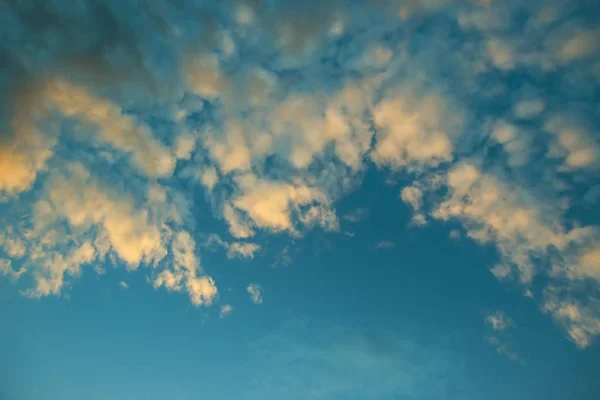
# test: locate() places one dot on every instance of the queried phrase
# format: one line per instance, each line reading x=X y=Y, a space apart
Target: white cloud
x=504 y=349
x=278 y=151
x=99 y=270
x=13 y=245
x=184 y=275
x=501 y=271
x=270 y=204
x=204 y=76
x=242 y=250
x=385 y=244
x=7 y=270
x=356 y=216
x=226 y=310
x=529 y=108
x=493 y=212
x=578 y=45
x=413 y=132
x=580 y=320
x=413 y=196
x=123 y=285
x=234 y=249
x=255 y=292
x=501 y=54
x=573 y=142
x=284 y=258
x=83 y=203
x=184 y=146
x=209 y=177
x=114 y=128
x=499 y=320
x=516 y=142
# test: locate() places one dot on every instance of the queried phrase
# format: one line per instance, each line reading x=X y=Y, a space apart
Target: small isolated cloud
x=254 y=291
x=242 y=250
x=504 y=349
x=500 y=323
x=284 y=258
x=498 y=320
x=356 y=216
x=100 y=270
x=384 y=244
x=455 y=234
x=225 y=310
x=123 y=285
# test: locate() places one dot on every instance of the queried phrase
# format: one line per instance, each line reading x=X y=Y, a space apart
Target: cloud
x=183 y=275
x=242 y=250
x=108 y=126
x=573 y=143
x=384 y=244
x=284 y=258
x=123 y=285
x=413 y=196
x=499 y=321
x=578 y=45
x=413 y=132
x=356 y=216
x=529 y=108
x=234 y=249
x=226 y=310
x=581 y=320
x=504 y=349
x=7 y=270
x=270 y=204
x=255 y=292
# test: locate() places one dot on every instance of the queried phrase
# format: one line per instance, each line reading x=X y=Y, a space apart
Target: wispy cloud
x=255 y=292
x=226 y=310
x=500 y=323
x=357 y=215
x=384 y=244
x=499 y=320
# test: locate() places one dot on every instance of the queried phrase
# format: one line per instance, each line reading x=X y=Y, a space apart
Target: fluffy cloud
x=101 y=131
x=184 y=274
x=412 y=132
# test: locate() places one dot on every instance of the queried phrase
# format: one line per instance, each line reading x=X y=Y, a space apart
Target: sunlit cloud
x=117 y=135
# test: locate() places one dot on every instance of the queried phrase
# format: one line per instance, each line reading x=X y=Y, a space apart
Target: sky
x=275 y=199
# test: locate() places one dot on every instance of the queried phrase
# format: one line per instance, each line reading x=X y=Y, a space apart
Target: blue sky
x=385 y=199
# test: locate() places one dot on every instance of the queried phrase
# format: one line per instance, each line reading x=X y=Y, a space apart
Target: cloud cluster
x=276 y=110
